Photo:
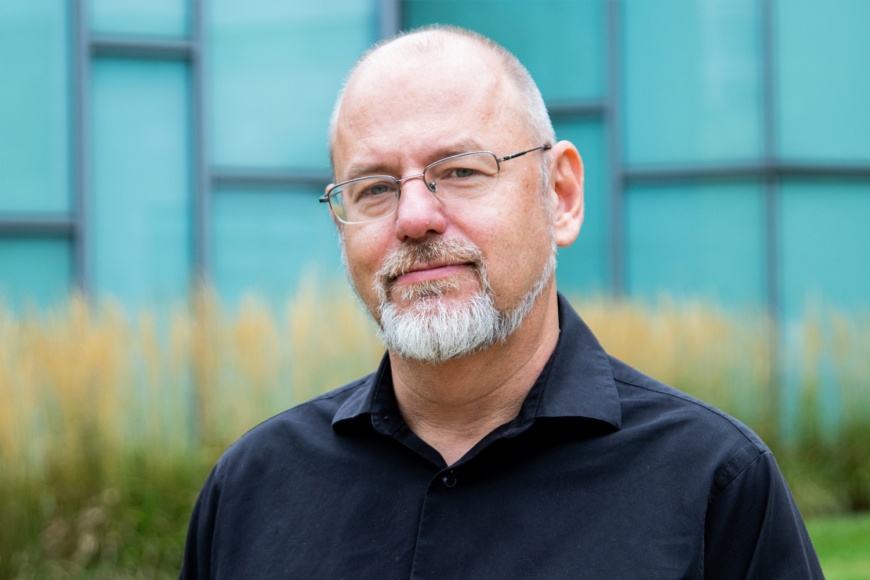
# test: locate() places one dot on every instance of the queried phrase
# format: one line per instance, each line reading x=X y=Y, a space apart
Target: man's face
x=402 y=113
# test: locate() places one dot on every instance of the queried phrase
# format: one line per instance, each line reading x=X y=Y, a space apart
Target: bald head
x=413 y=53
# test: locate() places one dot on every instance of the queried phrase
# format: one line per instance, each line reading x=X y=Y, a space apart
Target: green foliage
x=109 y=426
x=128 y=520
x=843 y=545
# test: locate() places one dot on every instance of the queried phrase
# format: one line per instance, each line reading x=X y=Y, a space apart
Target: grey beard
x=434 y=331
x=431 y=331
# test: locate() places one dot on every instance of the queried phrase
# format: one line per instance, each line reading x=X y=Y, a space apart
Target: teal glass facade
x=822 y=92
x=35 y=112
x=275 y=69
x=158 y=17
x=692 y=82
x=144 y=146
x=140 y=203
x=696 y=240
x=35 y=270
x=268 y=240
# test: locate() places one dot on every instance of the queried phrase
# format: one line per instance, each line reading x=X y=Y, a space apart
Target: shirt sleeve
x=200 y=533
x=753 y=527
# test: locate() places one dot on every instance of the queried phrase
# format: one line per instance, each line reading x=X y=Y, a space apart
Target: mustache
x=407 y=256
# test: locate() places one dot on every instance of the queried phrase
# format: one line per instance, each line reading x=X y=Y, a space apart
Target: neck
x=453 y=405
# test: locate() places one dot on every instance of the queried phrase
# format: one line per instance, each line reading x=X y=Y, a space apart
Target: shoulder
x=687 y=426
x=637 y=388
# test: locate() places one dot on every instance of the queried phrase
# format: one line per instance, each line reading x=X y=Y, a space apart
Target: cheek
x=500 y=236
x=359 y=268
x=524 y=246
x=363 y=255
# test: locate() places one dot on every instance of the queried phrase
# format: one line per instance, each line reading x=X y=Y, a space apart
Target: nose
x=420 y=212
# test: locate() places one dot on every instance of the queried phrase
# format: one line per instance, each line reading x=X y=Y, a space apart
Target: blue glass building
x=144 y=145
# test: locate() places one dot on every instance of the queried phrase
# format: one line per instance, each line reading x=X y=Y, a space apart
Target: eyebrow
x=462 y=146
x=365 y=169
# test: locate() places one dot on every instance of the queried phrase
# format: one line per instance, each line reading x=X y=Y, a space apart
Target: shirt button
x=449 y=480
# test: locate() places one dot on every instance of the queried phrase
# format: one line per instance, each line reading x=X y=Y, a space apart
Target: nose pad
x=430 y=186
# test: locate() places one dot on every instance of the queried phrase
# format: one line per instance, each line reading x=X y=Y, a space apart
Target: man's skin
x=401 y=112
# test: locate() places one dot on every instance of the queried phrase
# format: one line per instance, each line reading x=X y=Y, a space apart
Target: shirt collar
x=579 y=378
x=577 y=382
x=361 y=402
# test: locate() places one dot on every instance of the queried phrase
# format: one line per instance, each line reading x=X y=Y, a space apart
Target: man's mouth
x=428 y=268
x=431 y=271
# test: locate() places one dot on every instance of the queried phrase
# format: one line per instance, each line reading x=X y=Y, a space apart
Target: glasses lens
x=364 y=199
x=462 y=176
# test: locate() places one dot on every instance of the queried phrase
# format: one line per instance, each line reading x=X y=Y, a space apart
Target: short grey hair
x=430 y=39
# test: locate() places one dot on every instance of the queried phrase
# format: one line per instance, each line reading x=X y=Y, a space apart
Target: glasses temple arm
x=521 y=153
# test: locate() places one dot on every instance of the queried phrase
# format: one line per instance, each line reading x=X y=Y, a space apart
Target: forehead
x=406 y=104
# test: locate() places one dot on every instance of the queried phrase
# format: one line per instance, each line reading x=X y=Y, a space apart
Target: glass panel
x=561 y=42
x=34 y=271
x=268 y=242
x=140 y=241
x=824 y=244
x=692 y=81
x=160 y=17
x=276 y=70
x=33 y=107
x=696 y=241
x=585 y=265
x=823 y=51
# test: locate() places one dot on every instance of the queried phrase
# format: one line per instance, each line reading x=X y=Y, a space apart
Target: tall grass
x=109 y=421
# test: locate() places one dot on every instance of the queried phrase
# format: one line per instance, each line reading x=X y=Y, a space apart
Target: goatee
x=433 y=328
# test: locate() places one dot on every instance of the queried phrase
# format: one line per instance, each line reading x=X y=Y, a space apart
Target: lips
x=432 y=260
x=426 y=272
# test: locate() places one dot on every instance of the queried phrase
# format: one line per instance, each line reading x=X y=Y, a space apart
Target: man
x=497 y=439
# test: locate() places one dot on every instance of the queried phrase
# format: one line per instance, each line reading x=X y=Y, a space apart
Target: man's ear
x=566 y=191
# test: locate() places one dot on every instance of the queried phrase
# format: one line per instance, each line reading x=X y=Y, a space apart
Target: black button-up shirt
x=605 y=473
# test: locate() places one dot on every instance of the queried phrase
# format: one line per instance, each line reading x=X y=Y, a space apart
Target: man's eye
x=463 y=172
x=375 y=190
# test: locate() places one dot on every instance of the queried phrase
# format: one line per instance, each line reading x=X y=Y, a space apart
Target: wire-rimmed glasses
x=462 y=176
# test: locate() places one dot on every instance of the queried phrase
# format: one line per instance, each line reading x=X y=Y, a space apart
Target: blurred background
x=168 y=279
x=727 y=143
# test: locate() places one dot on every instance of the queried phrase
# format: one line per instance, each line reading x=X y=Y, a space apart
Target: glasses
x=462 y=176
